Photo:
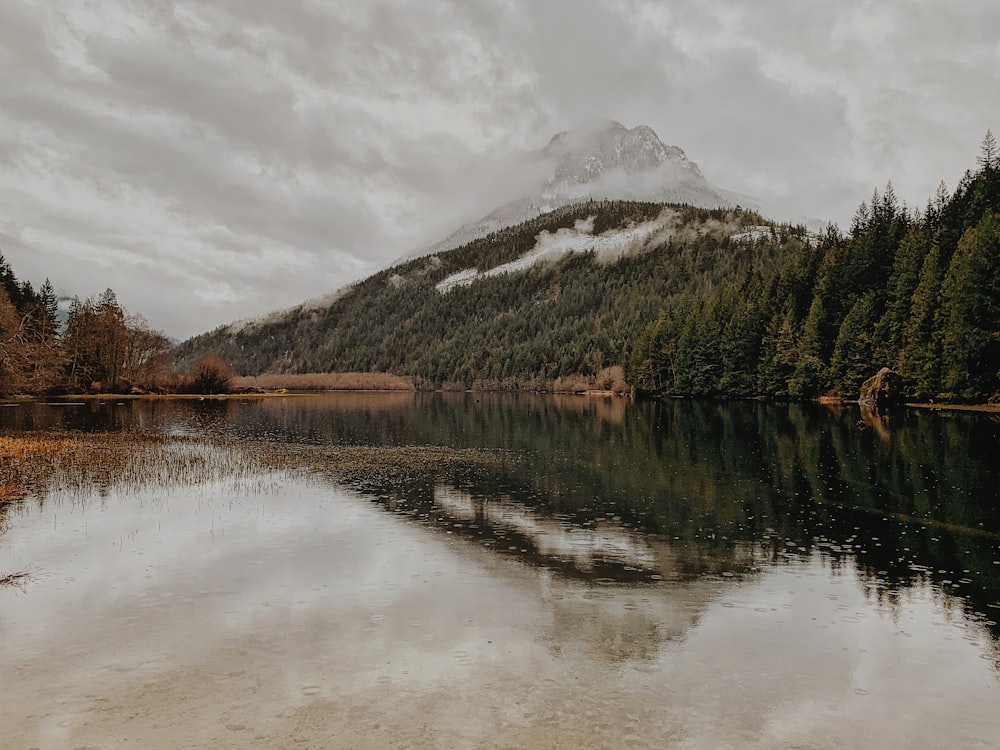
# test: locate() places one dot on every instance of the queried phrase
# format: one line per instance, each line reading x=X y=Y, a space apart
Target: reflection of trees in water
x=212 y=416
x=906 y=494
x=912 y=497
x=205 y=416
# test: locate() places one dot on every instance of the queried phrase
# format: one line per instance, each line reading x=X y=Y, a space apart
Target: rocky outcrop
x=882 y=389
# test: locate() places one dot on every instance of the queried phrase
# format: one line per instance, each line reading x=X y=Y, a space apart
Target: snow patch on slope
x=550 y=246
x=753 y=233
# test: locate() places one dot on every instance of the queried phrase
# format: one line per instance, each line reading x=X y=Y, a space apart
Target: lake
x=614 y=574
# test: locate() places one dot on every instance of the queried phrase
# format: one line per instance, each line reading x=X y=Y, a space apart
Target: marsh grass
x=14 y=579
x=35 y=466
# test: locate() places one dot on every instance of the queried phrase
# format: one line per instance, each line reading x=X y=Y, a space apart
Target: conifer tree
x=854 y=351
x=919 y=360
x=988 y=152
x=970 y=313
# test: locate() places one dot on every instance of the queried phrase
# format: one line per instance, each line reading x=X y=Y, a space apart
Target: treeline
x=917 y=291
x=574 y=316
x=98 y=347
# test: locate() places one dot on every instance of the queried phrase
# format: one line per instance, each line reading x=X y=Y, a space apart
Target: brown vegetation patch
x=327 y=381
x=14 y=579
x=9 y=493
x=80 y=461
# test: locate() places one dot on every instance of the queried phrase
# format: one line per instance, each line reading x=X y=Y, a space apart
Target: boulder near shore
x=885 y=387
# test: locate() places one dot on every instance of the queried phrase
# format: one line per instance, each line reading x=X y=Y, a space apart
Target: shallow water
x=630 y=578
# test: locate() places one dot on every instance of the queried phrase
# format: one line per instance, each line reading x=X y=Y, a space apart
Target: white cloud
x=211 y=160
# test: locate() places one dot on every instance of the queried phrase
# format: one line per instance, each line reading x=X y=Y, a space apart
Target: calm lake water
x=679 y=574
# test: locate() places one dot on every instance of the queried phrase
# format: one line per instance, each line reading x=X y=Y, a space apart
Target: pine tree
x=988 y=152
x=854 y=351
x=779 y=355
x=920 y=359
x=50 y=307
x=902 y=284
x=970 y=314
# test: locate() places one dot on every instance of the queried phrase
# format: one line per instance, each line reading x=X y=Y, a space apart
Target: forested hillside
x=918 y=291
x=575 y=314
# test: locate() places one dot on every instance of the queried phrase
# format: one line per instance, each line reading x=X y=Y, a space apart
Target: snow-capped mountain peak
x=603 y=160
x=585 y=154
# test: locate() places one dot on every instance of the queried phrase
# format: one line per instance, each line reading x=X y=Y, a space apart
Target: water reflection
x=911 y=496
x=269 y=610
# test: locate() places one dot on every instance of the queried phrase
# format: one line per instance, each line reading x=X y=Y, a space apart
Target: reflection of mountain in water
x=613 y=622
x=619 y=624
x=601 y=550
x=912 y=497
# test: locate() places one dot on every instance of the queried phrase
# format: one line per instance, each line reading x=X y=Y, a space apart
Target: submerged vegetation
x=33 y=463
x=36 y=464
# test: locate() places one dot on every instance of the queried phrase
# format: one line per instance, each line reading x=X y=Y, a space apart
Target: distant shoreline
x=989 y=408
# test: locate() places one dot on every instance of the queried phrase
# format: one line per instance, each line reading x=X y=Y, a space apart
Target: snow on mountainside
x=605 y=160
x=581 y=238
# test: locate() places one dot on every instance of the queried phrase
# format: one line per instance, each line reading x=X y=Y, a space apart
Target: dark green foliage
x=969 y=316
x=854 y=351
x=917 y=293
x=570 y=316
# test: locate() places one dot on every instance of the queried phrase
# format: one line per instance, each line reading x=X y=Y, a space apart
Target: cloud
x=212 y=160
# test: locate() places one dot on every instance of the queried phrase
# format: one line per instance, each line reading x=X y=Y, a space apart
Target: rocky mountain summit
x=603 y=160
x=596 y=156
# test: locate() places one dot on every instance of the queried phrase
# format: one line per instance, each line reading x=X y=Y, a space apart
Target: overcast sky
x=216 y=159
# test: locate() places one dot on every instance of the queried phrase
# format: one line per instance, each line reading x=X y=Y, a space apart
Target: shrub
x=210 y=375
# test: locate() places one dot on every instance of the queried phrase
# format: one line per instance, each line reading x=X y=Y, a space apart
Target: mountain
x=563 y=294
x=603 y=160
x=558 y=283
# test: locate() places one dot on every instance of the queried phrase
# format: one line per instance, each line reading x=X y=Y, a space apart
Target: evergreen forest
x=917 y=291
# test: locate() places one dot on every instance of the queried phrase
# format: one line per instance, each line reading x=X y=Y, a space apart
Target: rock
x=885 y=387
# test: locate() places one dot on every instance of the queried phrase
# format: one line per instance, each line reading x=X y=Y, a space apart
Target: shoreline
x=980 y=408
x=984 y=408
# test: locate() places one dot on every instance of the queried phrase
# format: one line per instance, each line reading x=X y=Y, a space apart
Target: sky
x=213 y=160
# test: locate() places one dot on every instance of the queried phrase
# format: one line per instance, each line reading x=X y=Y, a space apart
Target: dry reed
x=37 y=464
x=327 y=381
